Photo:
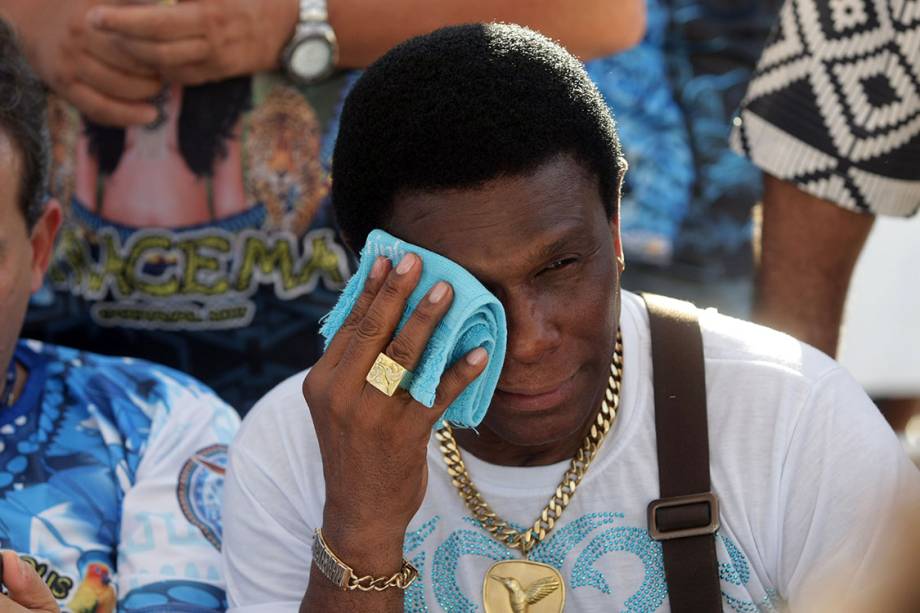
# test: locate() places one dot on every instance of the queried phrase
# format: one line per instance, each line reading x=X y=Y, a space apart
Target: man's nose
x=532 y=333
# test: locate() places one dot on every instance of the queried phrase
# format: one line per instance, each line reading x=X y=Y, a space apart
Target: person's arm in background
x=588 y=28
x=808 y=249
x=209 y=40
x=110 y=70
x=83 y=65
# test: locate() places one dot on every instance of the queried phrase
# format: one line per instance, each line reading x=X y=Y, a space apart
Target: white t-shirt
x=801 y=460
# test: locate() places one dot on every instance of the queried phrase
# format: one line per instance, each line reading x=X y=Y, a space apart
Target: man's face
x=23 y=255
x=544 y=246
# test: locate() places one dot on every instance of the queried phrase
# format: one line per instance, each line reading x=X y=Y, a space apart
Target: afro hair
x=462 y=106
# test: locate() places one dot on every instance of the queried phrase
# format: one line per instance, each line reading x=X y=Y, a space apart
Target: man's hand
x=27 y=592
x=198 y=41
x=85 y=66
x=374 y=447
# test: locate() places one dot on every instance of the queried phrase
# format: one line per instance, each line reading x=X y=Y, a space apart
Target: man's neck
x=489 y=447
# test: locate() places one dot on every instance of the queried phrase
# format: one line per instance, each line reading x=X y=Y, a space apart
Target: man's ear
x=618 y=243
x=43 y=235
x=615 y=222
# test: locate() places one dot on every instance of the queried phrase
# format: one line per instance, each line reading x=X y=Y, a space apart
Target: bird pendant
x=522 y=586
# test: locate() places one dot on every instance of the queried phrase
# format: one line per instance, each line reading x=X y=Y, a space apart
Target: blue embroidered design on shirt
x=650 y=595
x=554 y=550
x=414 y=600
x=736 y=572
x=446 y=559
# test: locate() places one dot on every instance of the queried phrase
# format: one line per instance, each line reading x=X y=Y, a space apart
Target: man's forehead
x=521 y=218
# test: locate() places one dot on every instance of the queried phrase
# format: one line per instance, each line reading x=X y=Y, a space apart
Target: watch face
x=311 y=57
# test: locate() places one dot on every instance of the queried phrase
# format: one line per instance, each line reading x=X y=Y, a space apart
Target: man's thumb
x=24 y=585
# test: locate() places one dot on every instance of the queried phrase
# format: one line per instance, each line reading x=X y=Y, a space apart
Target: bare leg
x=808 y=248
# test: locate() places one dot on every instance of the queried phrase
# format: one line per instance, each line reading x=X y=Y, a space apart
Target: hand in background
x=198 y=41
x=85 y=67
x=27 y=592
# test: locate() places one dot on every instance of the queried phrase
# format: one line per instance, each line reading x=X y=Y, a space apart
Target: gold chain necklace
x=521 y=583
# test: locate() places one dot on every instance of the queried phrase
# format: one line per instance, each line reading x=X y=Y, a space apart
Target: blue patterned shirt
x=111 y=474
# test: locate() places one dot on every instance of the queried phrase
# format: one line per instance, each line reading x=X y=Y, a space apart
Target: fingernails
x=24 y=569
x=477 y=356
x=152 y=117
x=10 y=568
x=377 y=268
x=95 y=17
x=437 y=292
x=406 y=264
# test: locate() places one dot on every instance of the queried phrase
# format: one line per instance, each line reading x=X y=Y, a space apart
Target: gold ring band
x=387 y=374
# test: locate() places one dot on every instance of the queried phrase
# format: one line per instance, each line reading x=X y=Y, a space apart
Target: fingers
x=167 y=56
x=171 y=39
x=104 y=47
x=8 y=606
x=372 y=285
x=456 y=379
x=150 y=22
x=25 y=586
x=374 y=332
x=193 y=74
x=409 y=345
x=108 y=111
x=117 y=84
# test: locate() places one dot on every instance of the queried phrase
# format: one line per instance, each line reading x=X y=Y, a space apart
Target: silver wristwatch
x=311 y=54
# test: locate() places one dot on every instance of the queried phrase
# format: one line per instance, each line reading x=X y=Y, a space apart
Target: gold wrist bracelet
x=344 y=577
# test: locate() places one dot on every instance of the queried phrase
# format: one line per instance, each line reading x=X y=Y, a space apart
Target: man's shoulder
x=126 y=389
x=280 y=417
x=733 y=343
x=742 y=344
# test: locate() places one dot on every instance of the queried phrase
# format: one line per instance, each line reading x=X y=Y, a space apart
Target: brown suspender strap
x=686 y=516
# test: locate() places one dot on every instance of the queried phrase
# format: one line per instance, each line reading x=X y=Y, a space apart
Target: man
x=506 y=161
x=197 y=230
x=832 y=117
x=111 y=470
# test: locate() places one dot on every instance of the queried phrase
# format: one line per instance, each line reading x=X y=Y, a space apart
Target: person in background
x=111 y=469
x=191 y=147
x=832 y=117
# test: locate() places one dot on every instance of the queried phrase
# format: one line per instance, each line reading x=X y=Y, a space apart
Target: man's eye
x=560 y=263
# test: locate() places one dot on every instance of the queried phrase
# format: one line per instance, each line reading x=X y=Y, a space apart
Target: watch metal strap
x=686 y=516
x=313 y=10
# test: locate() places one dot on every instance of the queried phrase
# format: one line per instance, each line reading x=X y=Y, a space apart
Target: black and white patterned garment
x=834 y=106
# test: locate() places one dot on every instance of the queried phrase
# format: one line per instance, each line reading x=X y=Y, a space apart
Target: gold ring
x=387 y=374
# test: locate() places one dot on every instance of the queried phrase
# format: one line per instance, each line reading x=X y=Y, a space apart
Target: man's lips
x=544 y=397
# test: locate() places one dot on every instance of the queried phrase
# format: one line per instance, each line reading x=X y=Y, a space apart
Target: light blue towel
x=475 y=319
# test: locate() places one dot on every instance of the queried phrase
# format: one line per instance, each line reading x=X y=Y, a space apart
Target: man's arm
x=808 y=248
x=82 y=65
x=372 y=448
x=588 y=28
x=207 y=40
